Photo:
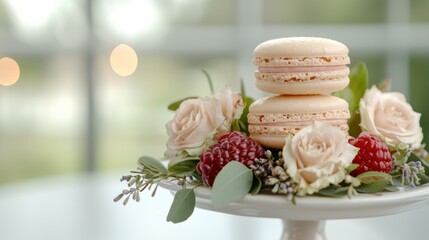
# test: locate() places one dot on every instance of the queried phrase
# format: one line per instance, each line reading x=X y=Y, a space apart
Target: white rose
x=232 y=105
x=316 y=157
x=390 y=116
x=195 y=121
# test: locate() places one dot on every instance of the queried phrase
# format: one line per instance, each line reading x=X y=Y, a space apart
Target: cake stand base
x=303 y=230
x=305 y=220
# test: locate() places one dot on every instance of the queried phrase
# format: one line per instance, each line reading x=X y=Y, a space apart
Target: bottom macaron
x=271 y=119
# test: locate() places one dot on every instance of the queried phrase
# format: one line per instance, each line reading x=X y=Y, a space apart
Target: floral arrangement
x=208 y=147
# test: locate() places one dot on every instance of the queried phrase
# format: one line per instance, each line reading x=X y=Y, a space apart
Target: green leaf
x=182 y=207
x=373 y=182
x=417 y=154
x=232 y=183
x=197 y=175
x=183 y=168
x=373 y=177
x=351 y=167
x=356 y=88
x=333 y=191
x=256 y=186
x=423 y=178
x=242 y=88
x=373 y=187
x=209 y=79
x=354 y=121
x=153 y=164
x=243 y=119
x=236 y=125
x=174 y=106
x=391 y=188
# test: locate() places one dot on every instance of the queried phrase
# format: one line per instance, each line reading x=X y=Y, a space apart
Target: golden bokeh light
x=9 y=71
x=123 y=60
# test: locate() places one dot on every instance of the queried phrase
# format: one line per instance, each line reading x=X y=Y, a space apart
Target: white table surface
x=81 y=207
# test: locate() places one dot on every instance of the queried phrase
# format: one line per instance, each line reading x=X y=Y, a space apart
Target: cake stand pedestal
x=306 y=219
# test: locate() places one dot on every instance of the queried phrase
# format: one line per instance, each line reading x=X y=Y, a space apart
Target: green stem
x=209 y=79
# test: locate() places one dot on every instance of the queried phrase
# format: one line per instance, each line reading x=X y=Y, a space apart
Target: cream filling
x=304 y=123
x=301 y=69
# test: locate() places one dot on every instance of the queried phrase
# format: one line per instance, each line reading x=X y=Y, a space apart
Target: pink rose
x=316 y=157
x=197 y=122
x=388 y=115
x=194 y=122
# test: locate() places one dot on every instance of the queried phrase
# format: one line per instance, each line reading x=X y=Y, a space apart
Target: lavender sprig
x=410 y=173
x=280 y=182
x=147 y=176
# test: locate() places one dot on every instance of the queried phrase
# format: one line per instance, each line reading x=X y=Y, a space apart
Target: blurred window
x=324 y=12
x=69 y=109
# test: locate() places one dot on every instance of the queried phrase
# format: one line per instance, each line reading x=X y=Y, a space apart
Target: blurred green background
x=69 y=112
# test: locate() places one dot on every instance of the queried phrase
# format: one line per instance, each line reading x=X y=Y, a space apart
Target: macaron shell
x=271 y=119
x=275 y=137
x=301 y=47
x=285 y=61
x=301 y=65
x=297 y=104
x=276 y=142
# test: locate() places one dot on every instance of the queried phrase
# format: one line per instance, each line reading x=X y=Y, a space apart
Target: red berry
x=373 y=154
x=234 y=146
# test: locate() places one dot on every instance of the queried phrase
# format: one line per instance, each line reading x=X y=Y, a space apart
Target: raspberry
x=234 y=146
x=373 y=154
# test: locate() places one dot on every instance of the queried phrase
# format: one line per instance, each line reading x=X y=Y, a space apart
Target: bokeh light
x=9 y=71
x=123 y=60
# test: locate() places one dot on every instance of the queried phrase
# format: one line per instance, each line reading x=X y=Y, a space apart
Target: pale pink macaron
x=301 y=65
x=271 y=119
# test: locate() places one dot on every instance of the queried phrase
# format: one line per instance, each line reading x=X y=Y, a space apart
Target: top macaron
x=301 y=66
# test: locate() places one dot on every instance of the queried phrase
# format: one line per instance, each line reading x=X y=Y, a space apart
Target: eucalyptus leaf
x=256 y=186
x=391 y=188
x=183 y=168
x=373 y=177
x=174 y=106
x=373 y=187
x=356 y=88
x=232 y=183
x=333 y=191
x=153 y=164
x=182 y=207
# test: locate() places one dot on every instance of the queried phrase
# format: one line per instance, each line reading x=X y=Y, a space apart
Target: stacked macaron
x=302 y=72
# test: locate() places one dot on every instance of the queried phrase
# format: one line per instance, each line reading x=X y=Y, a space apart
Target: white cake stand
x=306 y=219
